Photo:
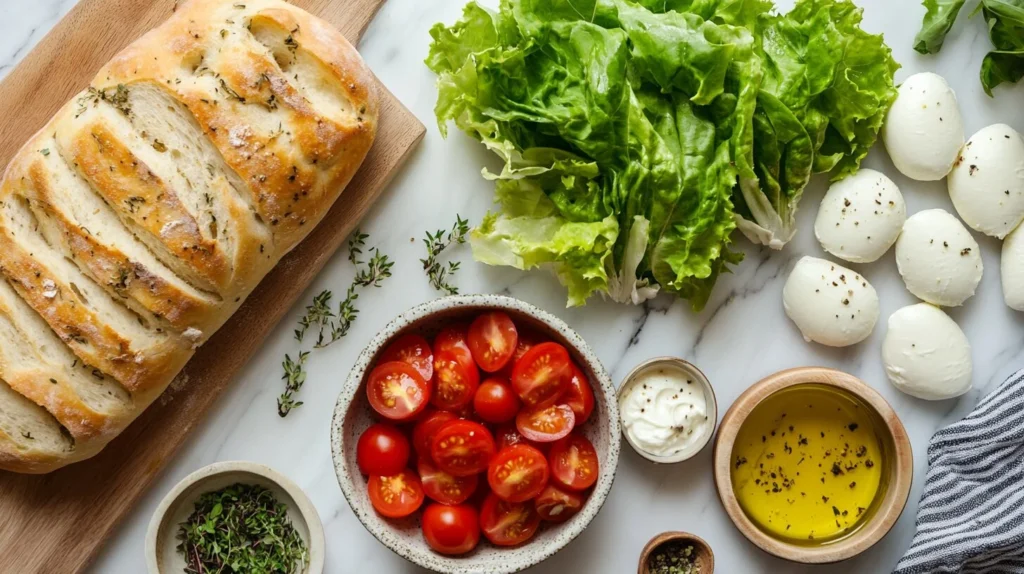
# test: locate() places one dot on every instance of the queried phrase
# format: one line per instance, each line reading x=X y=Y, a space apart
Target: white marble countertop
x=740 y=337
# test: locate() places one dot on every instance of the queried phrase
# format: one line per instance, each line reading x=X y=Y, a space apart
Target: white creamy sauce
x=665 y=411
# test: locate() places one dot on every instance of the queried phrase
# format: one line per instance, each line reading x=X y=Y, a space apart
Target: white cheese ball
x=987 y=182
x=923 y=131
x=925 y=353
x=1012 y=269
x=939 y=260
x=829 y=303
x=860 y=217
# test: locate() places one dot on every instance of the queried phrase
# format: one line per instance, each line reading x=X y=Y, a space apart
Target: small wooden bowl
x=704 y=558
x=900 y=473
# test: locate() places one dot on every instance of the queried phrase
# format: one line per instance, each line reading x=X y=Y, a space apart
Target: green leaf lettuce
x=636 y=136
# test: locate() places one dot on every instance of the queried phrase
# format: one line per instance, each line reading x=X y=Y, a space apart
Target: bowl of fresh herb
x=235 y=517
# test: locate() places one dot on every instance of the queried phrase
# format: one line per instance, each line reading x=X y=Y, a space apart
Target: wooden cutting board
x=55 y=523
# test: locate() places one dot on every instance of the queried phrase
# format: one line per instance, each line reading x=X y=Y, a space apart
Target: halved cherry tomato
x=579 y=396
x=492 y=340
x=526 y=340
x=557 y=505
x=574 y=462
x=425 y=429
x=456 y=378
x=508 y=523
x=507 y=435
x=451 y=530
x=546 y=424
x=495 y=401
x=462 y=448
x=542 y=375
x=518 y=473
x=414 y=350
x=443 y=487
x=397 y=391
x=397 y=495
x=453 y=339
x=382 y=449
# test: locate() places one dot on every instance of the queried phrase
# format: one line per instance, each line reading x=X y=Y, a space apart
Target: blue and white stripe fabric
x=971 y=516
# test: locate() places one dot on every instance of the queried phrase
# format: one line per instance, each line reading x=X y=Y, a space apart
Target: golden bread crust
x=134 y=224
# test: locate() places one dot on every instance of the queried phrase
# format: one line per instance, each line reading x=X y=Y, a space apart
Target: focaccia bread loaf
x=136 y=222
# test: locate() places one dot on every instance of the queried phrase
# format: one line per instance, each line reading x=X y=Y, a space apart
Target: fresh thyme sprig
x=332 y=325
x=347 y=313
x=377 y=270
x=355 y=246
x=318 y=313
x=436 y=243
x=294 y=377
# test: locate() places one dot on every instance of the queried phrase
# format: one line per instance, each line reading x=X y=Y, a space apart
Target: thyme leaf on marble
x=294 y=377
x=376 y=271
x=316 y=314
x=440 y=274
x=355 y=247
x=332 y=325
x=372 y=275
x=240 y=528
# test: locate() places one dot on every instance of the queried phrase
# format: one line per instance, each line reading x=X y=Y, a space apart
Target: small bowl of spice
x=676 y=553
x=812 y=465
x=668 y=410
x=235 y=517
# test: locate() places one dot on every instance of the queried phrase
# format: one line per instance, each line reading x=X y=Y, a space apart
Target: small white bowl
x=353 y=415
x=709 y=397
x=161 y=540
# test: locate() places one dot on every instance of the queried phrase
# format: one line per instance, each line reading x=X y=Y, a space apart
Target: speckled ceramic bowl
x=353 y=415
x=162 y=556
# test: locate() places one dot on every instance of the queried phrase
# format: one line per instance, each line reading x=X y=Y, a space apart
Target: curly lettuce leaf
x=637 y=135
x=823 y=72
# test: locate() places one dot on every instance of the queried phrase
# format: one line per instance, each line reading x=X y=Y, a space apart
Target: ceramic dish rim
x=889 y=509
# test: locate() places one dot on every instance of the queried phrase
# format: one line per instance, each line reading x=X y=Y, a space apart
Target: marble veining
x=741 y=336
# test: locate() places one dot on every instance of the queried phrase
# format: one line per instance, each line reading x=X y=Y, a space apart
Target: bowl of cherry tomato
x=476 y=433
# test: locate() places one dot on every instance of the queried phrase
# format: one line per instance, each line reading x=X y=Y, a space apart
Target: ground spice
x=673 y=557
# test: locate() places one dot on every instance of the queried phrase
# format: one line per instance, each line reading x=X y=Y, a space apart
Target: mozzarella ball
x=1012 y=269
x=939 y=260
x=923 y=131
x=829 y=303
x=860 y=217
x=925 y=353
x=987 y=182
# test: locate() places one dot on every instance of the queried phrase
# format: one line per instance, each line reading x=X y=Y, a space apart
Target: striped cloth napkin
x=971 y=516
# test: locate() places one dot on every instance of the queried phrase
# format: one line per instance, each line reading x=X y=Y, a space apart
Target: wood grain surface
x=897 y=480
x=55 y=523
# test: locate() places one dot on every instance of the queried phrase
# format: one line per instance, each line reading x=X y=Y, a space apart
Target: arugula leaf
x=938 y=20
x=1005 y=20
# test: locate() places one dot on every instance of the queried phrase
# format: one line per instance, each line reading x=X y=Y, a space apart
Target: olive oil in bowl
x=809 y=464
